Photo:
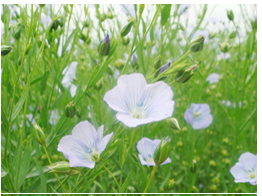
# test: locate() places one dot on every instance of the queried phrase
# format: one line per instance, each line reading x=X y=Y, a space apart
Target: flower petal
x=239 y=173
x=167 y=161
x=127 y=92
x=146 y=147
x=132 y=122
x=104 y=142
x=249 y=161
x=202 y=122
x=189 y=116
x=157 y=100
x=85 y=134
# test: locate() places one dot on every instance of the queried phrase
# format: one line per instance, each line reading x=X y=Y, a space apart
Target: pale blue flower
x=84 y=147
x=54 y=117
x=146 y=148
x=213 y=78
x=246 y=169
x=198 y=115
x=69 y=75
x=140 y=103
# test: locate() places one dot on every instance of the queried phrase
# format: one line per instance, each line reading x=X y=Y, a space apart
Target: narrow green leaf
x=24 y=165
x=126 y=183
x=42 y=177
x=43 y=82
x=19 y=105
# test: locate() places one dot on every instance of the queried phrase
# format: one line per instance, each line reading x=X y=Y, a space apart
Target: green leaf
x=126 y=183
x=43 y=82
x=68 y=40
x=19 y=105
x=24 y=165
x=42 y=177
x=165 y=14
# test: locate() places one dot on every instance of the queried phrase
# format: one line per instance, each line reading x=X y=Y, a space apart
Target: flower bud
x=186 y=73
x=70 y=110
x=225 y=47
x=141 y=9
x=63 y=168
x=197 y=43
x=134 y=61
x=164 y=67
x=39 y=134
x=157 y=62
x=42 y=5
x=254 y=24
x=173 y=123
x=99 y=84
x=232 y=34
x=125 y=40
x=211 y=35
x=230 y=15
x=5 y=50
x=54 y=25
x=119 y=64
x=126 y=29
x=162 y=151
x=104 y=46
x=193 y=167
x=110 y=70
x=110 y=15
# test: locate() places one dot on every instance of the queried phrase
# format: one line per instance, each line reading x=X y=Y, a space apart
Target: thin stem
x=109 y=173
x=151 y=178
x=130 y=55
x=48 y=158
x=80 y=181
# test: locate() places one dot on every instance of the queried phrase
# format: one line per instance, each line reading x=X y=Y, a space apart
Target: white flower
x=198 y=115
x=84 y=146
x=146 y=148
x=138 y=102
x=213 y=78
x=246 y=169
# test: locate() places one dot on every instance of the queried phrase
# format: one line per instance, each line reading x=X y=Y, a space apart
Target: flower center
x=251 y=174
x=150 y=159
x=93 y=156
x=138 y=113
x=196 y=114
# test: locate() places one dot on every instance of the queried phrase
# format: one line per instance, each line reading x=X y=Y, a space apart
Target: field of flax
x=128 y=98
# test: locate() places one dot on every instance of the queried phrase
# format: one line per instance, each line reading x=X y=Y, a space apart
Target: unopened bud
x=39 y=134
x=110 y=15
x=164 y=67
x=141 y=9
x=134 y=61
x=193 y=167
x=157 y=62
x=126 y=29
x=233 y=35
x=70 y=110
x=99 y=84
x=5 y=50
x=110 y=70
x=173 y=123
x=186 y=73
x=230 y=15
x=225 y=47
x=104 y=46
x=119 y=64
x=125 y=40
x=55 y=25
x=162 y=151
x=63 y=168
x=211 y=35
x=42 y=5
x=197 y=43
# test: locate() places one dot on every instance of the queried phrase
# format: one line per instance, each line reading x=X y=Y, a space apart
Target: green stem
x=80 y=181
x=109 y=173
x=49 y=160
x=154 y=18
x=151 y=178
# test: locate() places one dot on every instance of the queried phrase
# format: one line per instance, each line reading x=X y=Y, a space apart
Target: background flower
x=146 y=148
x=138 y=102
x=213 y=78
x=246 y=169
x=198 y=115
x=84 y=146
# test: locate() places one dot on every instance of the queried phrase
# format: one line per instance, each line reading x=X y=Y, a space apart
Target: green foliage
x=33 y=90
